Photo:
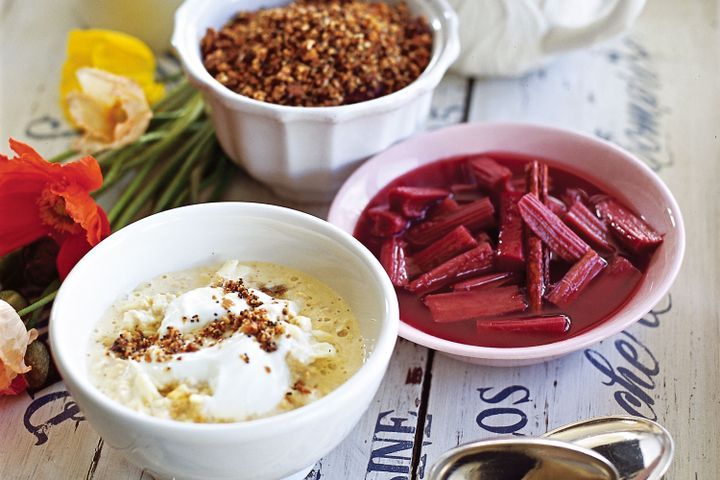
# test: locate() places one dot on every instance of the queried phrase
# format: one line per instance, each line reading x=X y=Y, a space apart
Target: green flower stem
x=185 y=192
x=39 y=304
x=118 y=167
x=200 y=151
x=119 y=158
x=169 y=115
x=150 y=156
x=218 y=180
x=193 y=110
x=196 y=176
x=176 y=98
x=49 y=290
x=127 y=195
x=167 y=170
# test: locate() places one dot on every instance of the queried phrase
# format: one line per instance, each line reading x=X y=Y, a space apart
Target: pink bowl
x=613 y=169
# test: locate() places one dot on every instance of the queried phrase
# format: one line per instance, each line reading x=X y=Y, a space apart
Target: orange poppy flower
x=39 y=198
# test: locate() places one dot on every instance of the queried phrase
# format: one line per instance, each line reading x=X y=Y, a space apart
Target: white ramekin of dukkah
x=284 y=446
x=305 y=153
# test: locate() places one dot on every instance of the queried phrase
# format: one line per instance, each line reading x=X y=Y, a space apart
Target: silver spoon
x=522 y=459
x=639 y=449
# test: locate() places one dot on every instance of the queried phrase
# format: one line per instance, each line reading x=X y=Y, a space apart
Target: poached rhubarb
x=539 y=324
x=472 y=304
x=472 y=262
x=477 y=215
x=551 y=230
x=412 y=202
x=392 y=258
x=487 y=172
x=486 y=281
x=385 y=222
x=573 y=195
x=630 y=230
x=451 y=245
x=588 y=226
x=436 y=249
x=577 y=279
x=535 y=253
x=466 y=192
x=442 y=208
x=510 y=254
x=556 y=206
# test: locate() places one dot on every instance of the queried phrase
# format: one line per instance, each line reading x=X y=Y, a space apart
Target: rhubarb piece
x=488 y=172
x=451 y=245
x=466 y=192
x=446 y=206
x=577 y=279
x=486 y=281
x=556 y=206
x=472 y=304
x=477 y=215
x=630 y=230
x=621 y=266
x=543 y=182
x=385 y=222
x=573 y=195
x=535 y=268
x=392 y=258
x=532 y=178
x=510 y=255
x=540 y=324
x=551 y=230
x=412 y=202
x=484 y=237
x=517 y=184
x=537 y=258
x=588 y=226
x=472 y=262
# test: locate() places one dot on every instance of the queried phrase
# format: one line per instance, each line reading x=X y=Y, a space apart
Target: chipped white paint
x=654 y=92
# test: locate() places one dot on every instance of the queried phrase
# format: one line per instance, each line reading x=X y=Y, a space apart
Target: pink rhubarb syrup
x=607 y=292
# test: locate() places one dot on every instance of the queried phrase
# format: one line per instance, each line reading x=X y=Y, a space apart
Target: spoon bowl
x=522 y=459
x=640 y=449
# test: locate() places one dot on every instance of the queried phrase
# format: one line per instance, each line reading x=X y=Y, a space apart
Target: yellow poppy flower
x=114 y=52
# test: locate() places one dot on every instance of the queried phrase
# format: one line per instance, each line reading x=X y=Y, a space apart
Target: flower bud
x=38 y=358
x=15 y=300
x=39 y=260
x=10 y=266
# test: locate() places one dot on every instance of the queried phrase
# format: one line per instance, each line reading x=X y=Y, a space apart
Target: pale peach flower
x=111 y=110
x=14 y=339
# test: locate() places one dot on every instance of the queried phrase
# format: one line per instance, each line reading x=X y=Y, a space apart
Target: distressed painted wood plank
x=450 y=102
x=44 y=436
x=381 y=445
x=650 y=93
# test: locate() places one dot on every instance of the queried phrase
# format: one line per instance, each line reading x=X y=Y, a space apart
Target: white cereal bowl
x=283 y=446
x=305 y=153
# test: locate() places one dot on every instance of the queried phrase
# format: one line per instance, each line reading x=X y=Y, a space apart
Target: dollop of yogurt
x=241 y=379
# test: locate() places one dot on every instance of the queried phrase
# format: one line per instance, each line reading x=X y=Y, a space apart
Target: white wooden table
x=655 y=92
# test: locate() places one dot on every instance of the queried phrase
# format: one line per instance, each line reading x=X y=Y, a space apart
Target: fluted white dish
x=305 y=153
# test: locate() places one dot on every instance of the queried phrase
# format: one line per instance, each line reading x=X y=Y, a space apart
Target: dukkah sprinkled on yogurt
x=225 y=343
